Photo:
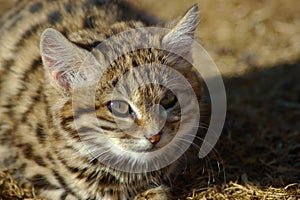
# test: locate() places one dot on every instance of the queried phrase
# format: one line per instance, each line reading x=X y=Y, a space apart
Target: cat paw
x=158 y=193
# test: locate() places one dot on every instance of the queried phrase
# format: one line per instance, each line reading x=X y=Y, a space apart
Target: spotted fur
x=43 y=43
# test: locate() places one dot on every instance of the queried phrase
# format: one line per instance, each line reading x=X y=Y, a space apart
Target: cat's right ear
x=61 y=58
x=181 y=34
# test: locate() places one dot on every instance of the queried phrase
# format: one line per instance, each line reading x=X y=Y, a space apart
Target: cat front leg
x=158 y=193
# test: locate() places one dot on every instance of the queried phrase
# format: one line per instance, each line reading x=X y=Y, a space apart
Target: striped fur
x=37 y=130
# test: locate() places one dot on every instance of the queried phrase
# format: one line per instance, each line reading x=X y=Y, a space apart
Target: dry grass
x=256 y=45
x=12 y=189
x=246 y=192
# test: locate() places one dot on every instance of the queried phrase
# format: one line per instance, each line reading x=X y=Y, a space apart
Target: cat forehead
x=145 y=81
x=140 y=57
x=70 y=65
x=90 y=38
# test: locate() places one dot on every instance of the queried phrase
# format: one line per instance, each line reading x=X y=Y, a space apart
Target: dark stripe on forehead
x=136 y=77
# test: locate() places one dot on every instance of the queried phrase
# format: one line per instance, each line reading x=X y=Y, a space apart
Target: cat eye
x=119 y=108
x=169 y=100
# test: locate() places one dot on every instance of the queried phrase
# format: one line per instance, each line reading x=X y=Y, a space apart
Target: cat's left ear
x=62 y=59
x=181 y=35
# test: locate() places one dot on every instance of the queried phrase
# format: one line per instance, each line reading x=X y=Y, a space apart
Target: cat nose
x=154 y=138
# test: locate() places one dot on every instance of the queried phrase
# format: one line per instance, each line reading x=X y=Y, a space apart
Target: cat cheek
x=141 y=145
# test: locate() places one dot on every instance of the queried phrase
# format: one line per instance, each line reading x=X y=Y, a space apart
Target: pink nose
x=154 y=138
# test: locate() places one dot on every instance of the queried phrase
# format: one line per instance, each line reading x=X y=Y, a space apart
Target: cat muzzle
x=154 y=138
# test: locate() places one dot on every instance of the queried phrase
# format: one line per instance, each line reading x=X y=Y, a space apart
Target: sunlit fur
x=46 y=117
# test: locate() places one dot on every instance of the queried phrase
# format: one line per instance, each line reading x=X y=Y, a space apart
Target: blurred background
x=256 y=46
x=237 y=34
x=240 y=34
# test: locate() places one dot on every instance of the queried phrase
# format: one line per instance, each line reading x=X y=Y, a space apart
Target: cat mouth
x=152 y=144
x=146 y=149
x=154 y=148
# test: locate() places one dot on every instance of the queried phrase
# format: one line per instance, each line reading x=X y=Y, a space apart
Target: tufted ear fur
x=61 y=58
x=179 y=39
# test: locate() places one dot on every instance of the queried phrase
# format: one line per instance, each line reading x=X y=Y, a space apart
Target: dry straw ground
x=256 y=45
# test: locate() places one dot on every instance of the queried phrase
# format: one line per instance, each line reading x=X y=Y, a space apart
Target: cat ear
x=61 y=58
x=179 y=39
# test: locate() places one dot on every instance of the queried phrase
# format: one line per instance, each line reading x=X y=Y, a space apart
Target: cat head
x=135 y=92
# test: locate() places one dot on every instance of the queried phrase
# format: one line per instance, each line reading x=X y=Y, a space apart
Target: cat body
x=42 y=44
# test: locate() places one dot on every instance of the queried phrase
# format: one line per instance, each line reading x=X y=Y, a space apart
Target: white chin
x=143 y=145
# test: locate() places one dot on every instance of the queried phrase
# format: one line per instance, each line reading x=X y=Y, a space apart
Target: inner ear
x=180 y=37
x=61 y=58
